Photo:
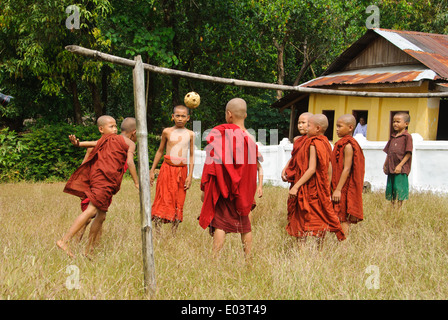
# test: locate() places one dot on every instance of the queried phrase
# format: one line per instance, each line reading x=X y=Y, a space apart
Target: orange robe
x=99 y=178
x=292 y=172
x=86 y=201
x=312 y=208
x=170 y=192
x=229 y=179
x=350 y=207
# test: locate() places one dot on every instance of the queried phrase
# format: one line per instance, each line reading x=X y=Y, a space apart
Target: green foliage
x=11 y=152
x=261 y=117
x=234 y=39
x=50 y=154
x=45 y=153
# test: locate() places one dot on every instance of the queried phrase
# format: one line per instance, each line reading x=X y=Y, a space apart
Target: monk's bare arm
x=348 y=161
x=130 y=161
x=260 y=180
x=88 y=151
x=81 y=144
x=308 y=173
x=87 y=144
x=158 y=155
x=191 y=167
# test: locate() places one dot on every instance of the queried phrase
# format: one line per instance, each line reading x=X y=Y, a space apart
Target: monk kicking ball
x=98 y=178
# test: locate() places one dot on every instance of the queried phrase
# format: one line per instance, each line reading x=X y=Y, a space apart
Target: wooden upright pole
x=143 y=174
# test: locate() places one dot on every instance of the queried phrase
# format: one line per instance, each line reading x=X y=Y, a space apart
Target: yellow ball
x=192 y=100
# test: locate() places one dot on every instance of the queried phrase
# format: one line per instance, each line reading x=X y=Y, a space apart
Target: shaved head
x=306 y=115
x=128 y=125
x=319 y=120
x=348 y=119
x=181 y=107
x=101 y=121
x=405 y=116
x=237 y=107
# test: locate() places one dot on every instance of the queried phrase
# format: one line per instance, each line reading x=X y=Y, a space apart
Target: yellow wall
x=424 y=112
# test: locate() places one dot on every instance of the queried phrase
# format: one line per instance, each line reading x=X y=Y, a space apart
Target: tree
x=35 y=35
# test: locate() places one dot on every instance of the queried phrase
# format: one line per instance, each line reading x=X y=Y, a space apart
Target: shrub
x=11 y=150
x=45 y=153
x=50 y=154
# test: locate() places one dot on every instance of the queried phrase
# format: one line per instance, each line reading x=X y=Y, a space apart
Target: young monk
x=291 y=174
x=311 y=195
x=347 y=181
x=288 y=172
x=229 y=179
x=174 y=178
x=98 y=178
x=129 y=130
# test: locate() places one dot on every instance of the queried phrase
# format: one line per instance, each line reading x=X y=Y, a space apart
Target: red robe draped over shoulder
x=99 y=178
x=170 y=192
x=350 y=207
x=292 y=172
x=312 y=209
x=230 y=171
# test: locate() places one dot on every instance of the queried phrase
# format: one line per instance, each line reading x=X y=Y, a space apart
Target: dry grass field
x=387 y=256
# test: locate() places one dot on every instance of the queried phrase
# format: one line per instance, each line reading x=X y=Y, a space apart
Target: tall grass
x=408 y=252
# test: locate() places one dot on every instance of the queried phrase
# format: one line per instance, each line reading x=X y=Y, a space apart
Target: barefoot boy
x=347 y=161
x=98 y=178
x=311 y=193
x=398 y=160
x=128 y=129
x=174 y=178
x=229 y=179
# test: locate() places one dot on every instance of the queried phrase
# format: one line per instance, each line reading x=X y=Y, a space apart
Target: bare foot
x=62 y=245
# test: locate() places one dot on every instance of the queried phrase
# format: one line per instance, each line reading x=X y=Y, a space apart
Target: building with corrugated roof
x=382 y=61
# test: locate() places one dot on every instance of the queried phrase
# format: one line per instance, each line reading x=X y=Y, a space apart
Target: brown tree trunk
x=105 y=72
x=97 y=104
x=150 y=98
x=306 y=63
x=77 y=113
x=280 y=66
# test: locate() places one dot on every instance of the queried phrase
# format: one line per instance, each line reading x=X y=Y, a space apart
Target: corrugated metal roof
x=429 y=49
x=395 y=74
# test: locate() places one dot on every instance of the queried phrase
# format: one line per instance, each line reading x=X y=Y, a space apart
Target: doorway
x=361 y=114
x=442 y=130
x=330 y=116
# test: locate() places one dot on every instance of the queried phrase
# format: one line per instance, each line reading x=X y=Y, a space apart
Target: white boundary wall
x=428 y=171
